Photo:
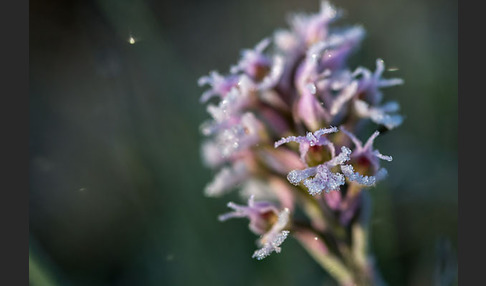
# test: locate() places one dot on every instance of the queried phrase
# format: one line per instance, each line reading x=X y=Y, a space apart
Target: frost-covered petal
x=259 y=213
x=276 y=71
x=324 y=180
x=271 y=241
x=312 y=138
x=220 y=85
x=254 y=62
x=235 y=100
x=308 y=108
x=313 y=28
x=333 y=52
x=383 y=157
x=380 y=82
x=271 y=246
x=297 y=176
x=367 y=150
x=353 y=176
x=341 y=158
x=240 y=136
x=316 y=138
x=226 y=179
x=370 y=83
x=377 y=114
x=344 y=96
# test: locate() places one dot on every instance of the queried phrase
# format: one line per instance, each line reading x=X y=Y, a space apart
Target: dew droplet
x=312 y=88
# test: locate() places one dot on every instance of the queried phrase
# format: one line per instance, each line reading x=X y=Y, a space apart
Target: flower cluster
x=282 y=127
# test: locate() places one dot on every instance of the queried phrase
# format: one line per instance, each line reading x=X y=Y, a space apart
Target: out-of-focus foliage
x=115 y=171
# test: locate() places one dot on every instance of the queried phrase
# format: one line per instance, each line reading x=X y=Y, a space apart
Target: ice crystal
x=324 y=179
x=349 y=172
x=271 y=241
x=311 y=139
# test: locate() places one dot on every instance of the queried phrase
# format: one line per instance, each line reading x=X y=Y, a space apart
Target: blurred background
x=116 y=176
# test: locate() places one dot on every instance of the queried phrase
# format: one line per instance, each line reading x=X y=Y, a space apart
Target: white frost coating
x=271 y=246
x=383 y=157
x=311 y=138
x=325 y=180
x=272 y=240
x=252 y=208
x=367 y=150
x=368 y=146
x=348 y=171
x=341 y=158
x=297 y=176
x=346 y=94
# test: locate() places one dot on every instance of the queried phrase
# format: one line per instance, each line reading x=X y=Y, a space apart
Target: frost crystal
x=256 y=212
x=271 y=246
x=272 y=240
x=324 y=179
x=311 y=139
x=297 y=176
x=348 y=171
x=341 y=158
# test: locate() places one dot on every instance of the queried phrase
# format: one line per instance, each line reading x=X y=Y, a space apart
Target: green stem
x=315 y=246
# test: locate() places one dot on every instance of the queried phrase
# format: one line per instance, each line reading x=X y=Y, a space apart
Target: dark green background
x=116 y=177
